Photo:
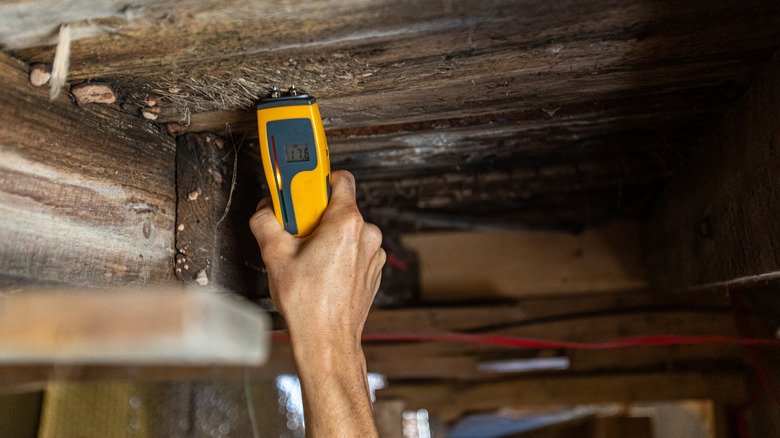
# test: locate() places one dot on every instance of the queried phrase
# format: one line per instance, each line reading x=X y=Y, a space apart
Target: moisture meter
x=295 y=159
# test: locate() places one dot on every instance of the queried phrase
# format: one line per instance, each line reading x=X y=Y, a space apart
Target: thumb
x=342 y=200
x=264 y=225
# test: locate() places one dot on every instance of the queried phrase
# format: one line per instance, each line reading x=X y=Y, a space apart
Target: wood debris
x=150 y=113
x=40 y=74
x=201 y=278
x=93 y=93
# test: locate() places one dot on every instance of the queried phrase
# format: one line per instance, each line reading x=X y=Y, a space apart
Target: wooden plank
x=534 y=309
x=451 y=400
x=719 y=221
x=434 y=360
x=445 y=186
x=86 y=193
x=21 y=414
x=152 y=326
x=618 y=427
x=424 y=58
x=483 y=265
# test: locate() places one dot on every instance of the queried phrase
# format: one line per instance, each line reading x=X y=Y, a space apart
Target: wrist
x=326 y=351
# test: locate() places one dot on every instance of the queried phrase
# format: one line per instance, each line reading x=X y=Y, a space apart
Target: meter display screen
x=296 y=152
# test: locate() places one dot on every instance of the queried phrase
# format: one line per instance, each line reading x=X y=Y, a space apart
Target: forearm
x=336 y=397
x=323 y=285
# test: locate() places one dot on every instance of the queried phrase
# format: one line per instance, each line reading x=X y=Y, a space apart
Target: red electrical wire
x=636 y=341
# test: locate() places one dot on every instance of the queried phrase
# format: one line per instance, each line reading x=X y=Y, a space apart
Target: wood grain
x=212 y=224
x=719 y=220
x=451 y=400
x=86 y=193
x=492 y=264
x=588 y=106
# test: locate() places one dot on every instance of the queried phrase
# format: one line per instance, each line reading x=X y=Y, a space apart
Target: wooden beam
x=217 y=194
x=492 y=264
x=616 y=427
x=435 y=360
x=451 y=400
x=720 y=220
x=419 y=58
x=86 y=193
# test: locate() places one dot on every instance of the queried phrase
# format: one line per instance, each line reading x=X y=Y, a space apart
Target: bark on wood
x=93 y=93
x=86 y=195
x=720 y=220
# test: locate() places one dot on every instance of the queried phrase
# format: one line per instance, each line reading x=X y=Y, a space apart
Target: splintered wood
x=93 y=93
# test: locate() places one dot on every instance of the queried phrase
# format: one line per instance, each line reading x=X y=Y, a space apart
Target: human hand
x=323 y=284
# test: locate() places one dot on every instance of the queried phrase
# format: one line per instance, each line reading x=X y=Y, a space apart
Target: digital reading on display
x=297 y=152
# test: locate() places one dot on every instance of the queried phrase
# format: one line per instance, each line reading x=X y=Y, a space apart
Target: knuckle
x=257 y=219
x=373 y=235
x=344 y=174
x=352 y=220
x=273 y=249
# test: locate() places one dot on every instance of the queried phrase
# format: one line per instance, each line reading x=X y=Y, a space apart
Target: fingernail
x=263 y=202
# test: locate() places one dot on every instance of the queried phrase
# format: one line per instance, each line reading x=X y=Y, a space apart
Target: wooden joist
x=451 y=400
x=720 y=220
x=86 y=193
x=217 y=194
x=588 y=319
x=494 y=265
x=420 y=58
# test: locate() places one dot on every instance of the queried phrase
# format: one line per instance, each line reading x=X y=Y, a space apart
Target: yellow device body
x=296 y=161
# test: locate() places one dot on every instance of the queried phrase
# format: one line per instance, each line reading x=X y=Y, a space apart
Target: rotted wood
x=213 y=241
x=415 y=91
x=405 y=61
x=86 y=193
x=499 y=181
x=720 y=221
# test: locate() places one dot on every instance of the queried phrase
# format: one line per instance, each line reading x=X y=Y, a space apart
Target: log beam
x=86 y=193
x=720 y=220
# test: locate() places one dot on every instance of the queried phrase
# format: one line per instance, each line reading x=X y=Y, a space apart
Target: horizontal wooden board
x=595 y=102
x=395 y=60
x=493 y=264
x=86 y=193
x=451 y=400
